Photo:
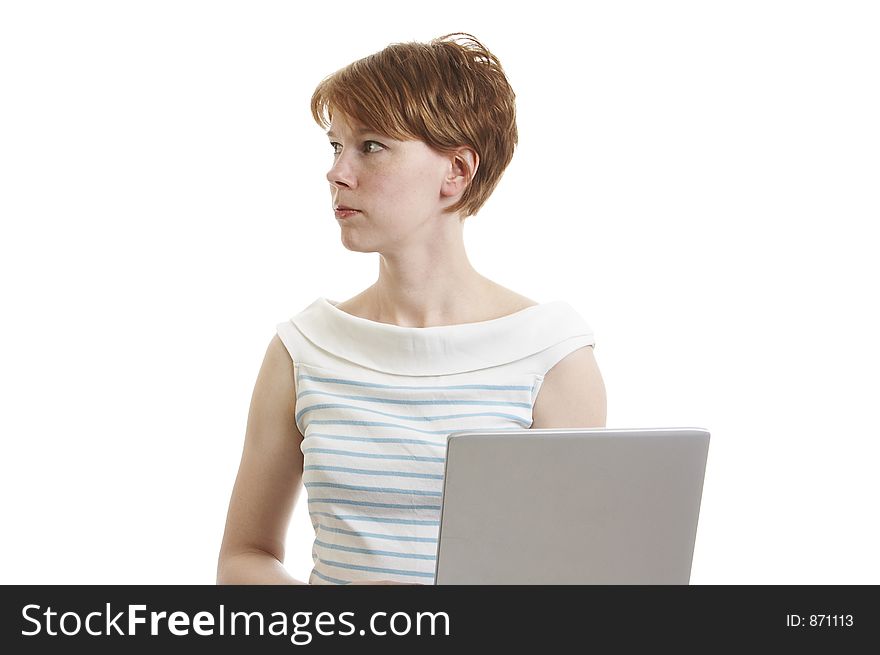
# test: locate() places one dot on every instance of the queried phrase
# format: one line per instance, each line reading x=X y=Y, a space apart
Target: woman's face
x=395 y=185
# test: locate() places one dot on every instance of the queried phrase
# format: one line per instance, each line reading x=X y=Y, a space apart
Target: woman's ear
x=463 y=166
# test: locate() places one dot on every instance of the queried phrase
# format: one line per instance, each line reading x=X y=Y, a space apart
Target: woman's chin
x=354 y=246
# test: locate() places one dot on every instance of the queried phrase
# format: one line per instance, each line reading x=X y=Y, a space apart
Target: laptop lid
x=571 y=506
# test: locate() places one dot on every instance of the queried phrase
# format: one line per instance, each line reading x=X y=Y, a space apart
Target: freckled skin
x=396 y=185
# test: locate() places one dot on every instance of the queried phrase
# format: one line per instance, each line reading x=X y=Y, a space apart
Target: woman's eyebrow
x=357 y=132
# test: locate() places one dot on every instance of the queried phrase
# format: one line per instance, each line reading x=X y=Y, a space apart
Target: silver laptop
x=571 y=506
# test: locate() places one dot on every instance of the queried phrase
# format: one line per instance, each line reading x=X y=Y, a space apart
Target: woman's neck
x=427 y=292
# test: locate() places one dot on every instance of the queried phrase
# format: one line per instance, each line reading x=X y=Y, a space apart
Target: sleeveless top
x=375 y=403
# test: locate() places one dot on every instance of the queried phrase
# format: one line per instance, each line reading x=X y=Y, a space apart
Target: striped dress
x=375 y=403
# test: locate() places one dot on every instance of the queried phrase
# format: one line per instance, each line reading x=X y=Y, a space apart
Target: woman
x=355 y=398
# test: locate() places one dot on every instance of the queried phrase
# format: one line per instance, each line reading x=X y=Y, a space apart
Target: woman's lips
x=345 y=213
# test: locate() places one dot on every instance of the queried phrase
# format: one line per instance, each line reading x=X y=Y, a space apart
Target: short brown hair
x=448 y=93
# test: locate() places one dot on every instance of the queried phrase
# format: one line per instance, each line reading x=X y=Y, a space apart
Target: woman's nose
x=341 y=173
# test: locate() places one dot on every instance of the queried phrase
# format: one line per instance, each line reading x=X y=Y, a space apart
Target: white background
x=698 y=179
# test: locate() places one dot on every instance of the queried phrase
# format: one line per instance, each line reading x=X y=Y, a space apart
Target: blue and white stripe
x=373 y=462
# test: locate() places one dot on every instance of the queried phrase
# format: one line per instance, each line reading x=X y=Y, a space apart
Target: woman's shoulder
x=509 y=302
x=355 y=305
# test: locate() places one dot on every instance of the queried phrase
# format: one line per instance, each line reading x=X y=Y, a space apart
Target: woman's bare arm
x=268 y=481
x=572 y=394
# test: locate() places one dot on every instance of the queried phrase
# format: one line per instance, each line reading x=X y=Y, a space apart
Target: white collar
x=440 y=350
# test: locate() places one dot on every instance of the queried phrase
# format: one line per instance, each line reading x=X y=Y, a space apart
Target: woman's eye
x=367 y=145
